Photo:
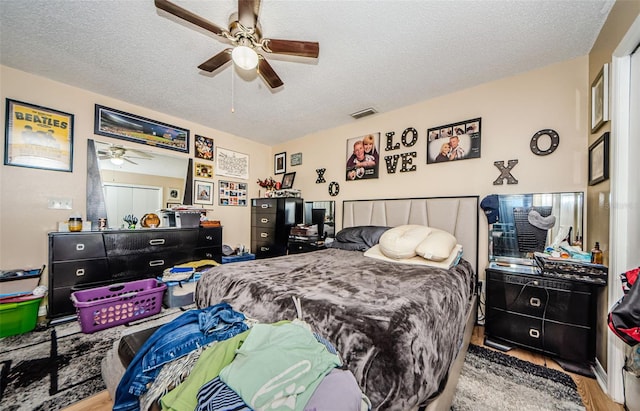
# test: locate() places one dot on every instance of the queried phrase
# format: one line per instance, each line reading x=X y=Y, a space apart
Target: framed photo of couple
x=455 y=141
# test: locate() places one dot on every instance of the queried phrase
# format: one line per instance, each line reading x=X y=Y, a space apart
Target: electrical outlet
x=60 y=203
x=42 y=311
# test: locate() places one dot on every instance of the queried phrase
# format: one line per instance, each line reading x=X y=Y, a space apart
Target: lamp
x=118 y=161
x=244 y=57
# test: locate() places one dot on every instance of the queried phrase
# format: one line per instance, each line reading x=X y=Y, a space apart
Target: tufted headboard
x=457 y=215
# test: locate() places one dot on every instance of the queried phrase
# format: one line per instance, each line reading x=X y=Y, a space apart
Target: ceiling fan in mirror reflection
x=117 y=155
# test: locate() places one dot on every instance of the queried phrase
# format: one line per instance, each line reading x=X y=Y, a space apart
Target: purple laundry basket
x=117 y=304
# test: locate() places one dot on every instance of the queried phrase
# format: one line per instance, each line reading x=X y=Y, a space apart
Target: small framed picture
x=599 y=160
x=600 y=99
x=170 y=205
x=287 y=180
x=204 y=170
x=204 y=147
x=174 y=193
x=296 y=159
x=280 y=163
x=202 y=192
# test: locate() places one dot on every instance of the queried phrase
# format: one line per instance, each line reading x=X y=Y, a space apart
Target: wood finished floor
x=592 y=395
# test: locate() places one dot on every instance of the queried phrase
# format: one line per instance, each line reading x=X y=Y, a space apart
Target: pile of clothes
x=217 y=359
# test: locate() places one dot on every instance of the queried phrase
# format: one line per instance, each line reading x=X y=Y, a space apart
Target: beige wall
x=512 y=110
x=622 y=15
x=25 y=219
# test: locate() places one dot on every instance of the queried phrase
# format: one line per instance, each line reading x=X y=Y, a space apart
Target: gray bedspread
x=396 y=326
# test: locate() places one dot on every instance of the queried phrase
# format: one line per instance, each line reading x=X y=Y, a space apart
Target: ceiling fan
x=245 y=35
x=118 y=155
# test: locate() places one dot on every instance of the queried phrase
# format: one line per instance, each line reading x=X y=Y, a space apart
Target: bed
x=401 y=329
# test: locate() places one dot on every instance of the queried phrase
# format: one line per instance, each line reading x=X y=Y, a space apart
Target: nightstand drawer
x=563 y=305
x=208 y=237
x=557 y=339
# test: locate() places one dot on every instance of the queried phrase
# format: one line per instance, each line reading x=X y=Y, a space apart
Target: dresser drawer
x=60 y=303
x=149 y=265
x=263 y=220
x=553 y=338
x=151 y=241
x=208 y=237
x=79 y=272
x=209 y=253
x=263 y=235
x=264 y=205
x=77 y=246
x=557 y=304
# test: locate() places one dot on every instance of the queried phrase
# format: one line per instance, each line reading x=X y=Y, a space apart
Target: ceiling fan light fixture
x=118 y=161
x=244 y=57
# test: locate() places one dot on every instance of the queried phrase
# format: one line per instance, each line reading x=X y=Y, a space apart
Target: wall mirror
x=323 y=214
x=128 y=180
x=519 y=232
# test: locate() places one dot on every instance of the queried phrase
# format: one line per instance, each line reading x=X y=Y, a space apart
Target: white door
x=122 y=200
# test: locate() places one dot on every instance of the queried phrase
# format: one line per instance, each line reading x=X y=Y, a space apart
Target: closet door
x=122 y=200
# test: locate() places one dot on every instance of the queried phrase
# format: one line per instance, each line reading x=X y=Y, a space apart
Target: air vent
x=363 y=113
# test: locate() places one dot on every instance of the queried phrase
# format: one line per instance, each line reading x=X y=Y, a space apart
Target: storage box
x=20 y=281
x=117 y=304
x=167 y=218
x=180 y=293
x=18 y=315
x=226 y=259
x=187 y=219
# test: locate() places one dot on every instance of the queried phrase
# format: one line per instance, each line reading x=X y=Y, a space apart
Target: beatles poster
x=38 y=137
x=363 y=157
x=456 y=141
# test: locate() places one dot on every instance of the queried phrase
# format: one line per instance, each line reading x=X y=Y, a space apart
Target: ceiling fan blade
x=248 y=12
x=126 y=159
x=216 y=61
x=268 y=74
x=140 y=153
x=293 y=47
x=188 y=16
x=106 y=157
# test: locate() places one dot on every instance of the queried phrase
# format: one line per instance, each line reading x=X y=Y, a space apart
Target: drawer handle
x=79 y=247
x=155 y=263
x=80 y=272
x=208 y=255
x=534 y=333
x=264 y=220
x=209 y=238
x=265 y=206
x=156 y=241
x=535 y=302
x=264 y=248
x=264 y=235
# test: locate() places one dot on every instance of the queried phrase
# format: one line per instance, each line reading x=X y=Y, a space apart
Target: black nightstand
x=297 y=246
x=553 y=316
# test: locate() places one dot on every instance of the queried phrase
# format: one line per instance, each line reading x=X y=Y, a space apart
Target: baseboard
x=601 y=376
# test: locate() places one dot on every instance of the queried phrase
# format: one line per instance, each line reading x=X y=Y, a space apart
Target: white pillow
x=437 y=246
x=401 y=241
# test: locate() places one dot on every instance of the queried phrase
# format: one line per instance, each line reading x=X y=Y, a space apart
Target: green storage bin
x=18 y=315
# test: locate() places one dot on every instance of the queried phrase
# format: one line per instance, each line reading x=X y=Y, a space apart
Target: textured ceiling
x=377 y=53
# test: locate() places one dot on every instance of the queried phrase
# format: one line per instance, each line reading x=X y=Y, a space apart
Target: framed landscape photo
x=599 y=160
x=38 y=137
x=600 y=99
x=287 y=181
x=296 y=159
x=280 y=163
x=118 y=124
x=202 y=192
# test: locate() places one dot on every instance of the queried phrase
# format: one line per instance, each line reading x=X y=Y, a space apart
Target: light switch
x=60 y=203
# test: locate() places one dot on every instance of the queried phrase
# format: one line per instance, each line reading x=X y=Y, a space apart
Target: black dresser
x=553 y=316
x=271 y=221
x=82 y=260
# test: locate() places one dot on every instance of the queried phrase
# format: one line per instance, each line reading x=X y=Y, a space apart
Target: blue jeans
x=191 y=330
